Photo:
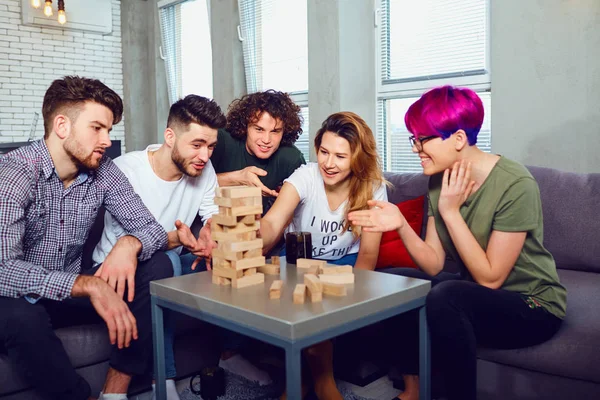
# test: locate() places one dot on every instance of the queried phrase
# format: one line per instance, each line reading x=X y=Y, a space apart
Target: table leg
x=293 y=373
x=158 y=337
x=424 y=357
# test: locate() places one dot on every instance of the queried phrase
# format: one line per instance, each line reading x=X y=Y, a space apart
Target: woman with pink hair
x=485 y=214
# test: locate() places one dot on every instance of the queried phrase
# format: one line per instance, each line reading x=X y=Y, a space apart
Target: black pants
x=27 y=335
x=462 y=316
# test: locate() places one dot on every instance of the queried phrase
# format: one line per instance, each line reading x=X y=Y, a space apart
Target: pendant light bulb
x=36 y=3
x=62 y=17
x=48 y=9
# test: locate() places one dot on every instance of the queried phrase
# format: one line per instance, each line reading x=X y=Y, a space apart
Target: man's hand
x=250 y=176
x=118 y=269
x=122 y=326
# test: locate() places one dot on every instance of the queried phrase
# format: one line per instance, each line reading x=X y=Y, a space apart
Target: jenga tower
x=239 y=252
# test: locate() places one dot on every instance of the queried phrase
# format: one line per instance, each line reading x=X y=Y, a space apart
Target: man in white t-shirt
x=176 y=181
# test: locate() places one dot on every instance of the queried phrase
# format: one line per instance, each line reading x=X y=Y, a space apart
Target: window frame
x=406 y=88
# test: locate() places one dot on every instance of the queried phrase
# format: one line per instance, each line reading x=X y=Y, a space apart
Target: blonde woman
x=317 y=198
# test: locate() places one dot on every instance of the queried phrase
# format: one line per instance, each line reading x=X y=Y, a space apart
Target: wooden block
x=238 y=255
x=253 y=253
x=249 y=271
x=239 y=202
x=337 y=278
x=312 y=270
x=233 y=237
x=236 y=192
x=275 y=290
x=275 y=260
x=334 y=289
x=315 y=297
x=314 y=287
x=246 y=263
x=230 y=220
x=241 y=227
x=249 y=280
x=240 y=211
x=338 y=269
x=240 y=246
x=228 y=273
x=219 y=280
x=269 y=269
x=307 y=262
x=313 y=284
x=299 y=294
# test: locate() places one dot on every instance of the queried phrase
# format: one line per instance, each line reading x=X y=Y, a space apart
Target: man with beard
x=50 y=193
x=176 y=181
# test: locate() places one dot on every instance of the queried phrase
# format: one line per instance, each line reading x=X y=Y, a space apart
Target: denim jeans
x=182 y=265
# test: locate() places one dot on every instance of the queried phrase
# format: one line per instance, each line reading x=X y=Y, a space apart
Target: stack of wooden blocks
x=320 y=279
x=238 y=256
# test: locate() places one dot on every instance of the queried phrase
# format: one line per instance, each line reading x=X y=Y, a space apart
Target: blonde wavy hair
x=365 y=165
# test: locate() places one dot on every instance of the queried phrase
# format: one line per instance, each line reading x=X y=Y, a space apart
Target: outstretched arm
x=275 y=221
x=248 y=176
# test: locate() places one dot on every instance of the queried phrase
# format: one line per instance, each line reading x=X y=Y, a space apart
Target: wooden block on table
x=249 y=271
x=337 y=278
x=228 y=273
x=307 y=262
x=275 y=290
x=248 y=280
x=338 y=269
x=299 y=294
x=334 y=289
x=269 y=269
x=219 y=280
x=233 y=237
x=313 y=284
x=275 y=260
x=239 y=202
x=240 y=211
x=314 y=287
x=241 y=227
x=236 y=192
x=240 y=246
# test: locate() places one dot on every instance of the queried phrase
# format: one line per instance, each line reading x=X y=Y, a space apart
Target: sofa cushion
x=85 y=345
x=571 y=226
x=392 y=252
x=573 y=351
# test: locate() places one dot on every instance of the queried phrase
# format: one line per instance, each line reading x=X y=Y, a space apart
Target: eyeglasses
x=420 y=141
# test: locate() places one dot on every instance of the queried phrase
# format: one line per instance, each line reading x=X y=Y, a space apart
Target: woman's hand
x=382 y=217
x=456 y=188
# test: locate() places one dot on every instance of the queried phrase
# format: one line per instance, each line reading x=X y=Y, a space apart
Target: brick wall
x=32 y=57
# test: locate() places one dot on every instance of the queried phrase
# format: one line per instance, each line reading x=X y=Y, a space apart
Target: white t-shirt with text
x=314 y=215
x=168 y=201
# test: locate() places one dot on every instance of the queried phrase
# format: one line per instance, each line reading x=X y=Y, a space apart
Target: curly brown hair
x=248 y=109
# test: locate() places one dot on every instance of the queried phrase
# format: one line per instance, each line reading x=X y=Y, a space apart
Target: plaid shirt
x=43 y=226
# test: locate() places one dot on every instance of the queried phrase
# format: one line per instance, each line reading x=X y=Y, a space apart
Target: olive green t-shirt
x=508 y=201
x=231 y=155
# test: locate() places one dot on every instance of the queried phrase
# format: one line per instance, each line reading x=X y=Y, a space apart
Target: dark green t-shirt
x=508 y=201
x=231 y=155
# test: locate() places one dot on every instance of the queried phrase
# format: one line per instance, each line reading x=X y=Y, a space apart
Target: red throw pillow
x=392 y=252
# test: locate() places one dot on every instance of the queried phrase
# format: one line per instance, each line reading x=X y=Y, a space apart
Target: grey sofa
x=568 y=365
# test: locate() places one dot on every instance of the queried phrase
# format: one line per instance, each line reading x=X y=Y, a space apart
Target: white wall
x=32 y=57
x=545 y=58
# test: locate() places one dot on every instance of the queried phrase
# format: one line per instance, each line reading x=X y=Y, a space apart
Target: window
x=424 y=44
x=275 y=46
x=186 y=48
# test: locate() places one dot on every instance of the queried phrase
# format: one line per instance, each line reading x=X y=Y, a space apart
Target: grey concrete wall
x=229 y=81
x=144 y=77
x=545 y=60
x=341 y=62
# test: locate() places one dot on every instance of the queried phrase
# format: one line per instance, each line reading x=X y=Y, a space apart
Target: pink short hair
x=444 y=110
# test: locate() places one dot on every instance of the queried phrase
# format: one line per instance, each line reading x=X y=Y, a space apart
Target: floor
x=379 y=389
